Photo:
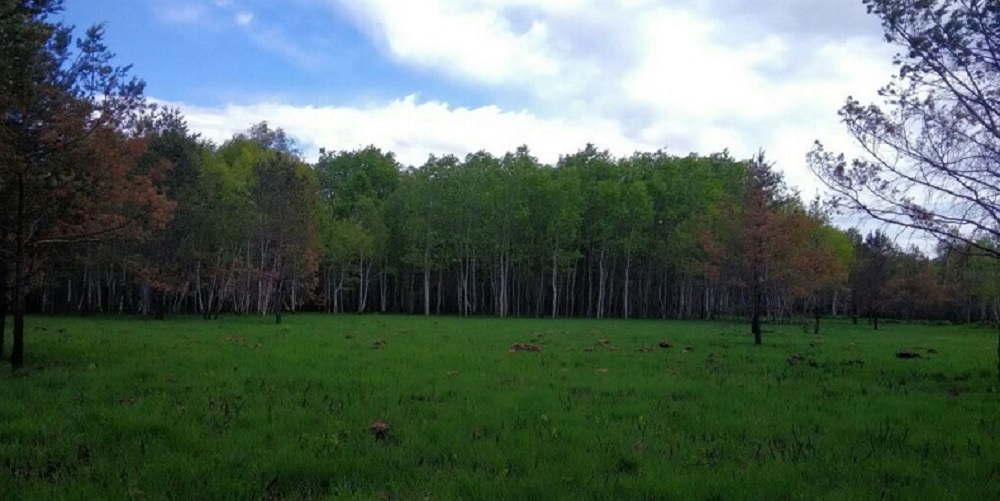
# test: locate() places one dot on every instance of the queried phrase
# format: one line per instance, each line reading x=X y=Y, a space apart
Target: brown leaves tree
x=760 y=247
x=67 y=166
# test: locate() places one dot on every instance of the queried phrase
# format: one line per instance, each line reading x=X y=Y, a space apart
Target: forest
x=248 y=226
x=110 y=204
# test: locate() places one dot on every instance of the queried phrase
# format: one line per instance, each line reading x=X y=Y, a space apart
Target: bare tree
x=932 y=145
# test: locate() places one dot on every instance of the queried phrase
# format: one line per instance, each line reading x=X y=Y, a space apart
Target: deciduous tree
x=875 y=273
x=761 y=236
x=932 y=147
x=67 y=167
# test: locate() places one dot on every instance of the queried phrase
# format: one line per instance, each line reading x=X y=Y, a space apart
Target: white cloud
x=182 y=13
x=626 y=75
x=243 y=18
x=414 y=129
x=474 y=42
x=278 y=42
x=698 y=75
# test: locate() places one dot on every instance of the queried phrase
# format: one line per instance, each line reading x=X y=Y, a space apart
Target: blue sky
x=207 y=52
x=427 y=77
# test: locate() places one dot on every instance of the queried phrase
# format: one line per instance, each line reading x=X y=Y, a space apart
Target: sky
x=421 y=77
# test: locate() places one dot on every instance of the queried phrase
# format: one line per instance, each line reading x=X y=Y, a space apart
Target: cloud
x=803 y=19
x=181 y=13
x=276 y=41
x=414 y=129
x=544 y=48
x=690 y=76
x=694 y=75
x=243 y=18
x=476 y=43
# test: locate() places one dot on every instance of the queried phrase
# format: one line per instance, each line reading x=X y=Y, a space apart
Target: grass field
x=243 y=408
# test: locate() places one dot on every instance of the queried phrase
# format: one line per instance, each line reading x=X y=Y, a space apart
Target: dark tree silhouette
x=875 y=263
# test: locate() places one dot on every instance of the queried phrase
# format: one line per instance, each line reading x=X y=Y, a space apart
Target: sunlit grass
x=243 y=408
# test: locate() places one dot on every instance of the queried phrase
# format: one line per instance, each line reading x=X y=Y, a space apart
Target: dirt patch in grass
x=520 y=347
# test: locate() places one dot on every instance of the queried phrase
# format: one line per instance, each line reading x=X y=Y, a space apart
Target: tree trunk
x=427 y=290
x=625 y=291
x=555 y=287
x=440 y=286
x=571 y=294
x=17 y=353
x=199 y=305
x=475 y=297
x=20 y=262
x=708 y=298
x=504 y=278
x=160 y=300
x=363 y=275
x=3 y=301
x=464 y=300
x=755 y=327
x=383 y=293
x=816 y=314
x=601 y=284
x=278 y=300
x=755 y=319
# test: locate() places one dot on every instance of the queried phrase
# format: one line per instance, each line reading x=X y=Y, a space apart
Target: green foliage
x=986 y=272
x=838 y=242
x=350 y=179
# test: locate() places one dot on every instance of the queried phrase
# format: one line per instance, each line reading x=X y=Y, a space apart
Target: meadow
x=391 y=407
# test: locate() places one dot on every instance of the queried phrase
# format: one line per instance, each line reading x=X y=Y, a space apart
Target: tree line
x=253 y=228
x=109 y=204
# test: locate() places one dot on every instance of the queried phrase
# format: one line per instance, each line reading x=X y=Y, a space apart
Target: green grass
x=242 y=408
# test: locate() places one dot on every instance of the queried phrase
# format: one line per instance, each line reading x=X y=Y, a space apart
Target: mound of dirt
x=518 y=347
x=380 y=430
x=798 y=358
